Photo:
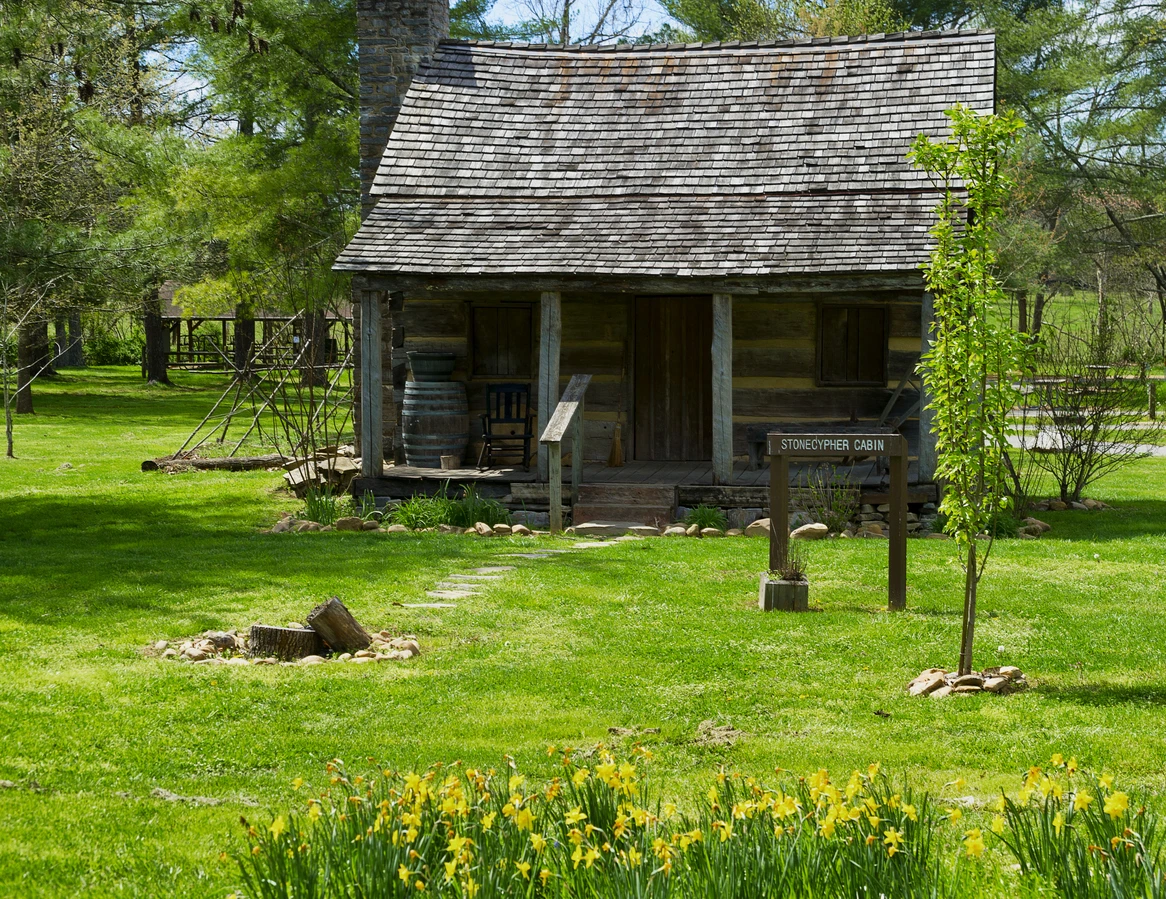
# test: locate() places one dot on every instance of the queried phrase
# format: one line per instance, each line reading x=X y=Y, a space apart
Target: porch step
x=642 y=503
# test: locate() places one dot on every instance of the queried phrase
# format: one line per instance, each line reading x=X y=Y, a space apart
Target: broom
x=615 y=457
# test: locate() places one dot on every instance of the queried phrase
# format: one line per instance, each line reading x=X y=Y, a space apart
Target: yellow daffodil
x=590 y=856
x=974 y=843
x=892 y=839
x=450 y=869
x=297 y=783
x=575 y=815
x=538 y=841
x=1057 y=760
x=1059 y=823
x=1116 y=804
x=575 y=835
x=580 y=777
x=998 y=825
x=524 y=820
x=872 y=770
x=634 y=857
x=1106 y=780
x=1082 y=801
x=544 y=875
x=278 y=827
x=516 y=781
x=954 y=815
x=403 y=873
x=488 y=820
x=523 y=869
x=1071 y=766
x=314 y=812
x=471 y=887
x=577 y=855
x=669 y=809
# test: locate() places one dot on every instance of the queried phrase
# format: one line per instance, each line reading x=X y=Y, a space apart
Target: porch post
x=551 y=335
x=372 y=436
x=926 y=416
x=722 y=388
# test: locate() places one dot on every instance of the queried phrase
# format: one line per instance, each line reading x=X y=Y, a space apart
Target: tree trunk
x=314 y=343
x=230 y=463
x=285 y=643
x=25 y=367
x=157 y=339
x=969 y=628
x=244 y=341
x=45 y=356
x=60 y=340
x=1038 y=311
x=332 y=621
x=75 y=352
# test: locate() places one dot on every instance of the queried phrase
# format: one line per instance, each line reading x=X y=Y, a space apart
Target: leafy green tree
x=719 y=20
x=973 y=355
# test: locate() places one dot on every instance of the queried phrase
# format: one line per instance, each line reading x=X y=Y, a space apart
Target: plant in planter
x=786 y=588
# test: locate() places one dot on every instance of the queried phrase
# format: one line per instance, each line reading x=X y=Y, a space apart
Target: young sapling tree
x=974 y=353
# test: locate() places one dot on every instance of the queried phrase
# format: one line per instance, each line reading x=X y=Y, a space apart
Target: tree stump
x=287 y=643
x=332 y=621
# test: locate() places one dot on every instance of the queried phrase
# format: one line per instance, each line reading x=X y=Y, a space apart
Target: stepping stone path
x=463 y=585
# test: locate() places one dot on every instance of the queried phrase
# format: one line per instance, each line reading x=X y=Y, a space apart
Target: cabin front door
x=673 y=379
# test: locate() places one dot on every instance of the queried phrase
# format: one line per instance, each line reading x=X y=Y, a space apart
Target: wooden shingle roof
x=682 y=159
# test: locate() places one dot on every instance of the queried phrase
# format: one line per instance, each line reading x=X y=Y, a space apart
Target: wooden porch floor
x=678 y=474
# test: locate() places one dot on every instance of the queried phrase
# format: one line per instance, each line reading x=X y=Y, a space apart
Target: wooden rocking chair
x=508 y=424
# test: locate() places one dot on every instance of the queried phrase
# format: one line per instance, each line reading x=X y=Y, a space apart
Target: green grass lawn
x=98 y=560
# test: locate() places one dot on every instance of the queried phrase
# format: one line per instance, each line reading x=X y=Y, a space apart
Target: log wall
x=774 y=355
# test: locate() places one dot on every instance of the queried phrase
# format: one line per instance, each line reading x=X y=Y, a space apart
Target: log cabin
x=725 y=237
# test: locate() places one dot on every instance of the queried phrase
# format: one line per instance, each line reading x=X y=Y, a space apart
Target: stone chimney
x=394 y=38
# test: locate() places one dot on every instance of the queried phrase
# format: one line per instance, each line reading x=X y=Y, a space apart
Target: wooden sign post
x=841 y=444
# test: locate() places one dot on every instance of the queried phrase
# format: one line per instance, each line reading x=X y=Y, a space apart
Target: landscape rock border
x=939 y=682
x=230 y=648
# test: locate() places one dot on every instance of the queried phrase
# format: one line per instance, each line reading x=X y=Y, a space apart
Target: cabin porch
x=692 y=483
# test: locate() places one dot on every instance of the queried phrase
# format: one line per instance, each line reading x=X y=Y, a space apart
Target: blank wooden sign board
x=841 y=444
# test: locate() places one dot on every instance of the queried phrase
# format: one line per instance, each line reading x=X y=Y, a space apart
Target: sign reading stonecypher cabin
x=818 y=445
x=837 y=444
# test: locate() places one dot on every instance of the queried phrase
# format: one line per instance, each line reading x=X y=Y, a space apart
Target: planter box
x=777 y=595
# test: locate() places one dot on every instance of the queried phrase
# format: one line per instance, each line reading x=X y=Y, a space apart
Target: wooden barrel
x=435 y=422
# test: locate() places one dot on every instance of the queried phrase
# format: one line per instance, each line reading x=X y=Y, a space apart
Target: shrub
x=472 y=508
x=598 y=831
x=321 y=504
x=108 y=347
x=706 y=517
x=431 y=511
x=1078 y=833
x=793 y=566
x=832 y=498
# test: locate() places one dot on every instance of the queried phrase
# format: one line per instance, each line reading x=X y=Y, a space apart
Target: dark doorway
x=674 y=373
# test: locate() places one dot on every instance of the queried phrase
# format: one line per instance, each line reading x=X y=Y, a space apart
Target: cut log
x=287 y=643
x=332 y=621
x=232 y=463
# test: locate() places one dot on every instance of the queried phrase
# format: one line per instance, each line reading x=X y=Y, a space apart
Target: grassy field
x=98 y=560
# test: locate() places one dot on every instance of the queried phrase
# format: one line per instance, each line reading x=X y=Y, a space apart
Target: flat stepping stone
x=460 y=587
x=451 y=594
x=494 y=569
x=587 y=544
x=526 y=555
x=428 y=605
x=474 y=577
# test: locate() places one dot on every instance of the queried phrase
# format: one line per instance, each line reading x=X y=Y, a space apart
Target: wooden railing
x=568 y=415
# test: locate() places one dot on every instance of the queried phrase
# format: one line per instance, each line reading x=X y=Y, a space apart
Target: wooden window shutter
x=502 y=341
x=852 y=345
